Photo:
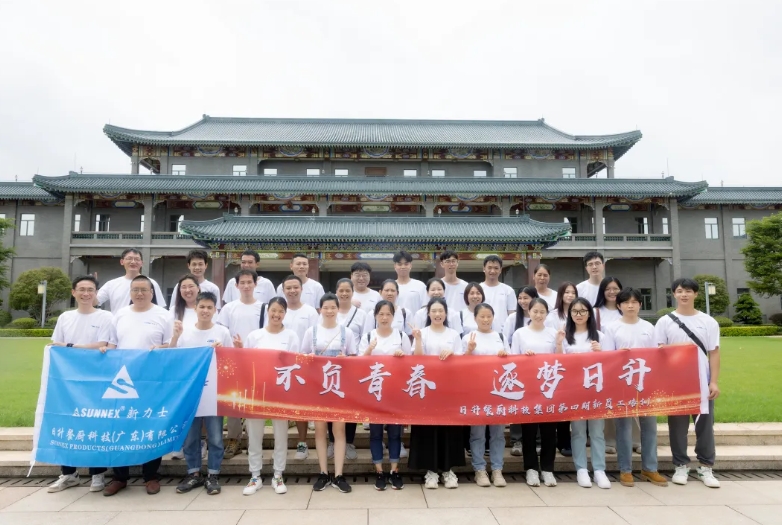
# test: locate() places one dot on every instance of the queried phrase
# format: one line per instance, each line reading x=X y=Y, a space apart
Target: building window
x=375 y=171
x=438 y=173
x=77 y=222
x=142 y=223
x=410 y=173
x=646 y=298
x=178 y=169
x=573 y=222
x=568 y=173
x=240 y=171
x=340 y=173
x=712 y=228
x=665 y=225
x=175 y=223
x=27 y=227
x=668 y=298
x=604 y=225
x=2 y=216
x=738 y=228
x=643 y=225
x=270 y=172
x=479 y=173
x=313 y=172
x=102 y=222
x=510 y=173
x=741 y=291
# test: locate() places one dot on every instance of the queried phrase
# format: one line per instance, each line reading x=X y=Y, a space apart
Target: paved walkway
x=736 y=503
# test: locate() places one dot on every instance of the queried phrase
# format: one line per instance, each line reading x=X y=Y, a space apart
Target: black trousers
x=563 y=434
x=350 y=432
x=548 y=445
x=72 y=470
x=148 y=471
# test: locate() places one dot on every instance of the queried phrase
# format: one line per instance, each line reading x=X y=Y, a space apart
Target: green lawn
x=751 y=368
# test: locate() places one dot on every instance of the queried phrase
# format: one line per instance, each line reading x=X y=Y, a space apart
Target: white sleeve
x=510 y=300
x=222 y=316
x=465 y=340
x=369 y=323
x=516 y=343
x=419 y=319
x=227 y=292
x=279 y=291
x=660 y=337
x=608 y=342
x=227 y=341
x=407 y=347
x=103 y=294
x=293 y=342
x=57 y=333
x=306 y=344
x=219 y=305
x=113 y=334
x=351 y=344
x=267 y=291
x=713 y=336
x=454 y=321
x=161 y=299
x=363 y=343
x=424 y=297
x=319 y=292
x=104 y=334
x=168 y=329
x=509 y=327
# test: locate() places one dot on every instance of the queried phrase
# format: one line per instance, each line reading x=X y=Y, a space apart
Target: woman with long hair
x=521 y=316
x=185 y=300
x=542 y=278
x=566 y=294
x=473 y=296
x=606 y=311
x=435 y=289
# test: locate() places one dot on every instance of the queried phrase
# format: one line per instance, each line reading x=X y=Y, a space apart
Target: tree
x=5 y=255
x=718 y=302
x=763 y=255
x=747 y=310
x=24 y=292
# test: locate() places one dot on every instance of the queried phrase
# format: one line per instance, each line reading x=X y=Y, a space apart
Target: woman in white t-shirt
x=606 y=310
x=435 y=288
x=273 y=336
x=185 y=301
x=403 y=318
x=542 y=277
x=473 y=296
x=520 y=317
x=330 y=339
x=566 y=294
x=629 y=332
x=485 y=341
x=581 y=336
x=537 y=338
x=385 y=340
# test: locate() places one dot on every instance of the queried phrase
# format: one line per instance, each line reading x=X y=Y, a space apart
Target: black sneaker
x=396 y=481
x=468 y=452
x=192 y=481
x=213 y=485
x=341 y=484
x=380 y=481
x=323 y=481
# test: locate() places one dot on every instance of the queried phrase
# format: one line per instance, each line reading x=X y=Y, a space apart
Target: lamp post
x=711 y=289
x=42 y=291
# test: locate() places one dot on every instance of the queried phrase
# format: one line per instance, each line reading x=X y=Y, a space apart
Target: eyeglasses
x=358 y=275
x=140 y=290
x=594 y=264
x=579 y=313
x=132 y=259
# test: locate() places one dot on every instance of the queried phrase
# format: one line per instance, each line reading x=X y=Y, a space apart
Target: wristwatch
x=69 y=345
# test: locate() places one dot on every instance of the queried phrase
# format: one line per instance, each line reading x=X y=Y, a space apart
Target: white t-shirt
x=311 y=292
x=117 y=293
x=264 y=291
x=194 y=337
x=503 y=299
x=588 y=291
x=435 y=342
x=454 y=295
x=240 y=318
x=553 y=320
x=368 y=298
x=402 y=320
x=205 y=286
x=419 y=319
x=329 y=341
x=467 y=321
x=607 y=317
x=286 y=340
x=386 y=345
x=510 y=326
x=551 y=300
x=301 y=319
x=539 y=341
x=412 y=295
x=485 y=343
x=141 y=330
x=83 y=329
x=355 y=316
x=583 y=344
x=622 y=335
x=189 y=318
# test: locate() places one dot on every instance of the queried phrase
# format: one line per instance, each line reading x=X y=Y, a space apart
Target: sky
x=700 y=79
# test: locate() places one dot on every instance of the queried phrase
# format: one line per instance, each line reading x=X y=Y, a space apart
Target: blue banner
x=121 y=408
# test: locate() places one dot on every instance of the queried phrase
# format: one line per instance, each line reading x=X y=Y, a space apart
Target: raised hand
x=178 y=328
x=596 y=346
x=238 y=341
x=471 y=344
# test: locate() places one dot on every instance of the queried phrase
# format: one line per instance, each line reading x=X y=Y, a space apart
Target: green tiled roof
x=24 y=191
x=232 y=228
x=360 y=132
x=329 y=185
x=719 y=195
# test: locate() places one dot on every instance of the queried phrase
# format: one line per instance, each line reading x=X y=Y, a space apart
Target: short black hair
x=197 y=254
x=81 y=278
x=299 y=255
x=433 y=280
x=328 y=296
x=479 y=307
x=686 y=283
x=538 y=300
x=402 y=255
x=360 y=267
x=588 y=256
x=278 y=300
x=251 y=273
x=141 y=277
x=447 y=254
x=469 y=287
x=383 y=302
x=291 y=277
x=390 y=281
x=627 y=294
x=131 y=250
x=253 y=253
x=206 y=296
x=345 y=280
x=492 y=258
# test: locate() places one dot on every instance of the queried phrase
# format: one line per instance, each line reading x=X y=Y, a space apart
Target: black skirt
x=436 y=447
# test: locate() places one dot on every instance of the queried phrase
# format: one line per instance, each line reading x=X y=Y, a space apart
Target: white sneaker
x=178 y=454
x=548 y=479
x=602 y=480
x=583 y=478
x=402 y=452
x=681 y=475
x=253 y=486
x=98 y=483
x=610 y=449
x=330 y=451
x=431 y=479
x=279 y=485
x=481 y=478
x=311 y=425
x=350 y=451
x=497 y=479
x=366 y=426
x=302 y=452
x=65 y=481
x=450 y=480
x=516 y=449
x=532 y=478
x=204 y=451
x=706 y=475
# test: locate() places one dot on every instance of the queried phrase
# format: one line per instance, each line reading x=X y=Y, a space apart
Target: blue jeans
x=578 y=442
x=624 y=443
x=376 y=442
x=214 y=437
x=478 y=446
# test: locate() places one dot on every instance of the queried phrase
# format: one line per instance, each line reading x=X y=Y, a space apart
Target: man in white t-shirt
x=364 y=297
x=311 y=290
x=264 y=289
x=499 y=295
x=412 y=292
x=668 y=332
x=117 y=291
x=454 y=287
x=85 y=327
x=197 y=262
x=594 y=262
x=142 y=325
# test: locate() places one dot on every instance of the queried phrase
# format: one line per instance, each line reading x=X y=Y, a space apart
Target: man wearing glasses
x=594 y=262
x=454 y=287
x=117 y=291
x=364 y=297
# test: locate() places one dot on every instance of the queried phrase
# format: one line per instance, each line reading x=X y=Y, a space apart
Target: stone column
x=244 y=205
x=323 y=206
x=134 y=161
x=146 y=244
x=505 y=206
x=729 y=271
x=532 y=265
x=582 y=167
x=67 y=228
x=252 y=161
x=673 y=208
x=610 y=168
x=218 y=269
x=314 y=269
x=598 y=214
x=429 y=208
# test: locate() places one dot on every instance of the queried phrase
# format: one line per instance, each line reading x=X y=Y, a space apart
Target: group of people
x=444 y=317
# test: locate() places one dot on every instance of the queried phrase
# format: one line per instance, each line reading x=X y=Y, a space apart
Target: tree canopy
x=718 y=303
x=24 y=292
x=763 y=255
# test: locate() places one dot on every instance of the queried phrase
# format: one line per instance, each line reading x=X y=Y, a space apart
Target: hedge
x=746 y=331
x=724 y=322
x=24 y=323
x=18 y=332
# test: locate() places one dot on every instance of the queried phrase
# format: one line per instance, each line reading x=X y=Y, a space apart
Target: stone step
x=769 y=457
x=725 y=434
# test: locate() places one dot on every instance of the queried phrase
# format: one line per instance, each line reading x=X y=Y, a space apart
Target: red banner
x=462 y=390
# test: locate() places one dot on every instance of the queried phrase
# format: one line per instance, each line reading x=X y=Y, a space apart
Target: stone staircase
x=740 y=446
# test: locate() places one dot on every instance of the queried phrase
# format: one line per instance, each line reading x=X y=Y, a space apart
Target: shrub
x=34 y=332
x=5 y=318
x=24 y=323
x=650 y=318
x=724 y=322
x=665 y=311
x=776 y=319
x=718 y=302
x=747 y=310
x=747 y=331
x=51 y=322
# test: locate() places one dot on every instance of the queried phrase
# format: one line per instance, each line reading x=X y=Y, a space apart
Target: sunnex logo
x=121 y=387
